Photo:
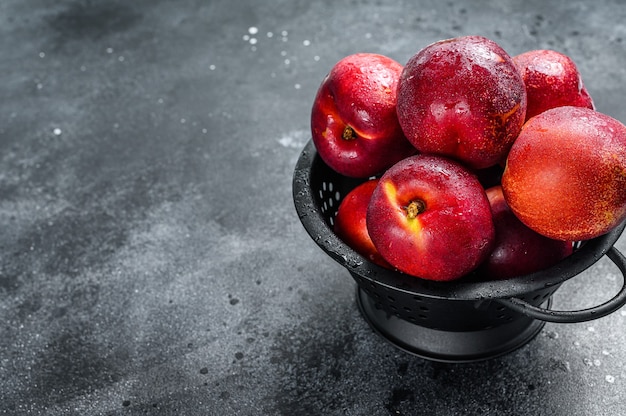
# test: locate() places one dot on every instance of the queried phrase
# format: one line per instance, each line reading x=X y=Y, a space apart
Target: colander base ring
x=449 y=346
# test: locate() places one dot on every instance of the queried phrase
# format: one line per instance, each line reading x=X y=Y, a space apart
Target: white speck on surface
x=597 y=363
x=109 y=50
x=297 y=86
x=253 y=30
x=205 y=131
x=591 y=329
x=294 y=139
x=253 y=41
x=284 y=33
x=39 y=85
x=368 y=35
x=623 y=313
x=550 y=334
x=246 y=37
x=609 y=378
x=605 y=352
x=212 y=67
x=57 y=131
x=270 y=35
x=316 y=58
x=183 y=121
x=160 y=101
x=283 y=53
x=42 y=54
x=306 y=42
x=120 y=58
x=83 y=68
x=287 y=61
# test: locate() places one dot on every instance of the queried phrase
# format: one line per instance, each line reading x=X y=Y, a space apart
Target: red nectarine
x=565 y=175
x=463 y=98
x=518 y=250
x=354 y=124
x=430 y=217
x=552 y=80
x=350 y=222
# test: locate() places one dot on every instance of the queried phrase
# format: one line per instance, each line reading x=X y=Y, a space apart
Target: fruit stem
x=415 y=208
x=348 y=133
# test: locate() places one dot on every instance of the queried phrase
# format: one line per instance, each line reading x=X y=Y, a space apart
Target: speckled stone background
x=151 y=260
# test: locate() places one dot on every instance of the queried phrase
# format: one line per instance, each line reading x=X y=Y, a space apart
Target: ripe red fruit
x=552 y=80
x=518 y=250
x=429 y=217
x=354 y=124
x=565 y=176
x=463 y=98
x=350 y=222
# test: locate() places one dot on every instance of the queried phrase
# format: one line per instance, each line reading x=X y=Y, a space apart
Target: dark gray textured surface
x=151 y=259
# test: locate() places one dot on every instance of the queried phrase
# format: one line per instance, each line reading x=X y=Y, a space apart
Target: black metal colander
x=466 y=320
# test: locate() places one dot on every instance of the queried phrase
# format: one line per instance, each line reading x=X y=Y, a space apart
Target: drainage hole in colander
x=372 y=293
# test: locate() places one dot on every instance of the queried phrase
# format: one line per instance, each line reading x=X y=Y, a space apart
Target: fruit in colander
x=518 y=250
x=462 y=98
x=552 y=80
x=430 y=217
x=565 y=175
x=353 y=120
x=350 y=222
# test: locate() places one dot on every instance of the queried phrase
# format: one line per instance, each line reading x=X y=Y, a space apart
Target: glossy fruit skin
x=462 y=98
x=552 y=80
x=350 y=222
x=565 y=176
x=518 y=250
x=354 y=124
x=451 y=236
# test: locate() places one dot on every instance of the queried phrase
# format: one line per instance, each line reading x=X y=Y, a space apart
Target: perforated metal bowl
x=466 y=320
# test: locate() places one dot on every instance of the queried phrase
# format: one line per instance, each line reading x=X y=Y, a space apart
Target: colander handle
x=583 y=315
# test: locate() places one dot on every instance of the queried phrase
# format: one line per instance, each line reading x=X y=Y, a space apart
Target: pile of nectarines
x=471 y=160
